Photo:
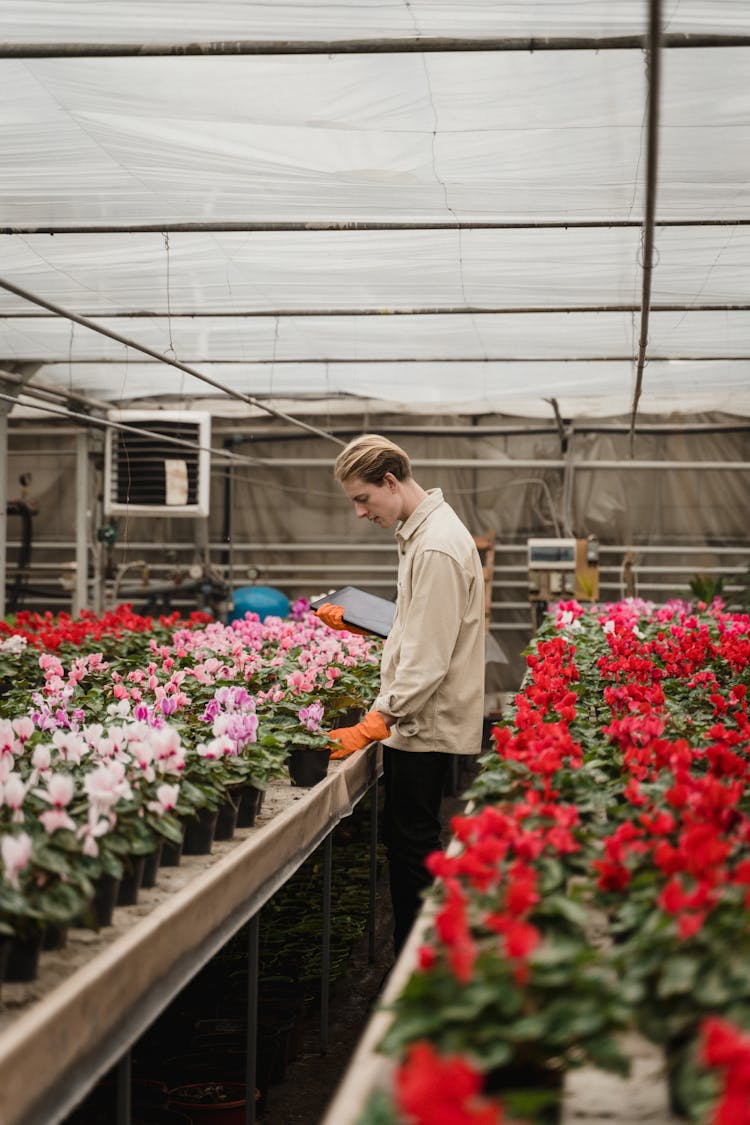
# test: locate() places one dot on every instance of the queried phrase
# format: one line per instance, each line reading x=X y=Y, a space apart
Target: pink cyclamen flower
x=14 y=792
x=167 y=797
x=60 y=790
x=24 y=728
x=41 y=759
x=312 y=716
x=16 y=853
x=54 y=819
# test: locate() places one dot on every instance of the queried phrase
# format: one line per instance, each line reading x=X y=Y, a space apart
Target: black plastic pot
x=251 y=799
x=4 y=953
x=226 y=818
x=199 y=832
x=105 y=900
x=23 y=957
x=151 y=866
x=171 y=854
x=54 y=937
x=529 y=1090
x=307 y=767
x=132 y=879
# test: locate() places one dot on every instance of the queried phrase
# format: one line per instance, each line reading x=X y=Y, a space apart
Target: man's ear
x=391 y=481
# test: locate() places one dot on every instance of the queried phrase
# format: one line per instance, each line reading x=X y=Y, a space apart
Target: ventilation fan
x=160 y=466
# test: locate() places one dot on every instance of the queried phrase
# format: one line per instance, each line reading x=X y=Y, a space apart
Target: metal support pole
x=81 y=590
x=122 y=1090
x=3 y=506
x=373 y=870
x=648 y=243
x=325 y=969
x=253 y=928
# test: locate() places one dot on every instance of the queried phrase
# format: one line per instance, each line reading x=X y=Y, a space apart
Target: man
x=431 y=700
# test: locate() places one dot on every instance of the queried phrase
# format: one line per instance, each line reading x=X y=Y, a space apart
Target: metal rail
x=390 y=45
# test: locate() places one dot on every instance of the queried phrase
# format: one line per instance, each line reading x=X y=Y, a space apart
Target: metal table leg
x=325 y=972
x=253 y=927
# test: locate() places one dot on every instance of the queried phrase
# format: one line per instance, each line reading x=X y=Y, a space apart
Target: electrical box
x=560 y=569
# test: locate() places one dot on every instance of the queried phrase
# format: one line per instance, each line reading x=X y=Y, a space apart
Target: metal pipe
x=311 y=361
x=53 y=392
x=427 y=310
x=220 y=456
x=122 y=1090
x=220 y=226
x=512 y=463
x=253 y=943
x=653 y=55
x=428 y=44
x=81 y=591
x=373 y=874
x=325 y=969
x=26 y=295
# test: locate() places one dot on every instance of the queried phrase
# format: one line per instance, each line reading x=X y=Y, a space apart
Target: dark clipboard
x=363 y=610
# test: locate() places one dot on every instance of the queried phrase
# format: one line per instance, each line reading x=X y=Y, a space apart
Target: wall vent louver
x=147 y=474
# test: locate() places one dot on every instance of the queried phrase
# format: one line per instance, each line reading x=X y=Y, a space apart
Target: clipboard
x=361 y=609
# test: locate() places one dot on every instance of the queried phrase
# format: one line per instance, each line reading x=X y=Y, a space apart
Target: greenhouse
x=508 y=243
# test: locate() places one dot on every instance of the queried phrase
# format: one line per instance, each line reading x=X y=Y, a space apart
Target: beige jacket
x=432 y=671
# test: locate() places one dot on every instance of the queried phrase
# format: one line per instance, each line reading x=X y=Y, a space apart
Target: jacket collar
x=433 y=500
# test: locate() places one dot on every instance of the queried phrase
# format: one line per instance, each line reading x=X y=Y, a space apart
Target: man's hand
x=333 y=617
x=345 y=740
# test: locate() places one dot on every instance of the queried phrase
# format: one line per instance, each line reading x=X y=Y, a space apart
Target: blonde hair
x=370 y=457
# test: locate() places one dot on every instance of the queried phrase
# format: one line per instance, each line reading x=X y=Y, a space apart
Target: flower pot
x=151 y=866
x=250 y=801
x=23 y=957
x=5 y=943
x=211 y=1103
x=105 y=900
x=171 y=854
x=54 y=937
x=226 y=818
x=528 y=1090
x=130 y=884
x=307 y=767
x=199 y=832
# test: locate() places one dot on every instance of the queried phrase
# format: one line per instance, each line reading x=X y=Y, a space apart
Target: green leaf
x=678 y=976
x=605 y=1052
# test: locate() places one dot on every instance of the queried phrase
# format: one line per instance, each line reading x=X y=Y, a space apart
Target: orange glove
x=348 y=739
x=333 y=617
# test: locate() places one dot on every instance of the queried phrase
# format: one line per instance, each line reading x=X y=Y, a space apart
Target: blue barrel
x=263 y=600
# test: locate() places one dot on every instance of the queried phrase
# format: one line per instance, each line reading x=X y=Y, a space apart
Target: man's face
x=379 y=503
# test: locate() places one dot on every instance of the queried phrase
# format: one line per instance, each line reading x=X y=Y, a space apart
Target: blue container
x=263 y=600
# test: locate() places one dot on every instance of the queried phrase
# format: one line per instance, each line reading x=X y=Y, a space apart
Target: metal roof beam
x=434 y=310
x=322 y=361
x=343 y=226
x=428 y=44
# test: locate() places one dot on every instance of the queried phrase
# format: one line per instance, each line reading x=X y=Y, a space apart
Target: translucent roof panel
x=175 y=199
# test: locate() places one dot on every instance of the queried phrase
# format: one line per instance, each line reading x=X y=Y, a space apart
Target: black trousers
x=414 y=785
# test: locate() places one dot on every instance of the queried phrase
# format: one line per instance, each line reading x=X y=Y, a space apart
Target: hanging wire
x=171 y=347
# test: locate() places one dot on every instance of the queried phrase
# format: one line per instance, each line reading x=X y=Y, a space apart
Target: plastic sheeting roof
x=501 y=191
